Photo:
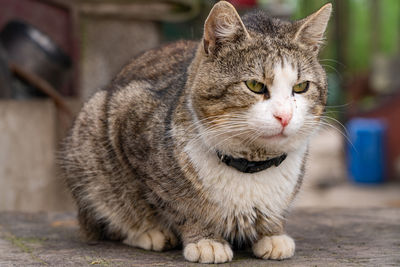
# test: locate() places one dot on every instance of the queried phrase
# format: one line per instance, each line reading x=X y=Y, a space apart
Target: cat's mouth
x=273 y=136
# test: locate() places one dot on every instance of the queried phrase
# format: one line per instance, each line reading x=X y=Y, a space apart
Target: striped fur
x=140 y=160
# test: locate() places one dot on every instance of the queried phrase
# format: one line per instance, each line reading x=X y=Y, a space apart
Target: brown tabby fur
x=124 y=160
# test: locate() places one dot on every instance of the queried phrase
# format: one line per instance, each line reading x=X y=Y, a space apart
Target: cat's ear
x=310 y=31
x=222 y=25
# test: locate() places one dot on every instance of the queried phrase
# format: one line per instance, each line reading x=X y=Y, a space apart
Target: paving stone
x=324 y=237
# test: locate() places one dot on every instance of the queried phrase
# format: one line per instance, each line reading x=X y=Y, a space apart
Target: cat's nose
x=283 y=118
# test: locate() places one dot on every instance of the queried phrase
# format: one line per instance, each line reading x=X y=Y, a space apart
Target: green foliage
x=364 y=25
x=358 y=54
x=390 y=26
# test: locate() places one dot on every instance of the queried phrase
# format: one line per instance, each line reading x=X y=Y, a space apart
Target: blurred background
x=54 y=54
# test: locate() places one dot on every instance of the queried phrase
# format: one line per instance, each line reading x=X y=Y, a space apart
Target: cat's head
x=256 y=82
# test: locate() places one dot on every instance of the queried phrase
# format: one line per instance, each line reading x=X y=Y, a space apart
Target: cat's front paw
x=208 y=251
x=276 y=247
x=153 y=239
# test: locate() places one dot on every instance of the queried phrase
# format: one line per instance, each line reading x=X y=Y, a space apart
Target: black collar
x=243 y=165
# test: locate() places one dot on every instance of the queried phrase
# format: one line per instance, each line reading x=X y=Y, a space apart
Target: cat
x=202 y=144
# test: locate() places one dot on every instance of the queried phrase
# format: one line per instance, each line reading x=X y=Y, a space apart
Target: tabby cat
x=202 y=144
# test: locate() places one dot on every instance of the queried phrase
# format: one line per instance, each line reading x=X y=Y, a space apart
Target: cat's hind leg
x=153 y=239
x=275 y=247
x=91 y=230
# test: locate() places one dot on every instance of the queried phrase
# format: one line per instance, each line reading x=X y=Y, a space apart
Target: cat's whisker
x=332 y=68
x=339 y=106
x=207 y=121
x=220 y=127
x=332 y=60
x=336 y=121
x=223 y=142
x=250 y=138
x=330 y=125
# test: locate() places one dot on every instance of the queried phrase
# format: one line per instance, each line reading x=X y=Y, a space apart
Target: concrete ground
x=346 y=194
x=324 y=237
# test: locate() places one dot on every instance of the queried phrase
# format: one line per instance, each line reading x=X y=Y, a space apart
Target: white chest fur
x=239 y=193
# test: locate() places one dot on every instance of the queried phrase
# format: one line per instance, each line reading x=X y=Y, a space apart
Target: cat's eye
x=256 y=87
x=301 y=87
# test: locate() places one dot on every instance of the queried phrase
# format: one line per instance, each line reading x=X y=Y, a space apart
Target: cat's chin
x=273 y=139
x=282 y=142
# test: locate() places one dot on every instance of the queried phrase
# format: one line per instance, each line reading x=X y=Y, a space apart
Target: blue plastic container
x=366 y=158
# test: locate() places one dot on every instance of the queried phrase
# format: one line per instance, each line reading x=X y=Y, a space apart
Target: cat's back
x=161 y=67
